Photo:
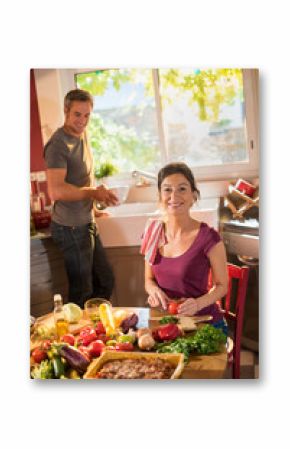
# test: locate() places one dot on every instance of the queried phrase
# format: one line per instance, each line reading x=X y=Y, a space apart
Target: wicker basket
x=177 y=360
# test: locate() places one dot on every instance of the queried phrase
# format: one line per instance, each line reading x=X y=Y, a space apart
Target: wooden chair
x=234 y=312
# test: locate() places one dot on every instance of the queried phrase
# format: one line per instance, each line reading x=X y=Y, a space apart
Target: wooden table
x=213 y=366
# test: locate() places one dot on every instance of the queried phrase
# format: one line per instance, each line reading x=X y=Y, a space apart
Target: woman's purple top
x=186 y=276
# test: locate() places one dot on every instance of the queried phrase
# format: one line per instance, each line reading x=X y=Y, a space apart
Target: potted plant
x=104 y=169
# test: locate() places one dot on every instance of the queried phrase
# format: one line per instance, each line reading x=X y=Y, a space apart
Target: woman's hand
x=188 y=307
x=157 y=297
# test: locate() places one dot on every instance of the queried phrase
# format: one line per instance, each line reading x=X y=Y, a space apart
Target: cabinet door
x=47 y=276
x=128 y=268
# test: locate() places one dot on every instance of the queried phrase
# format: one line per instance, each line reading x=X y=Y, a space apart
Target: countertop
x=41 y=234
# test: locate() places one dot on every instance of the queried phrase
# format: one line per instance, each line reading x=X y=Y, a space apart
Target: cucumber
x=58 y=367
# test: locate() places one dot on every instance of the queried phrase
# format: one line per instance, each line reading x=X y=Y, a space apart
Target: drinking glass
x=92 y=308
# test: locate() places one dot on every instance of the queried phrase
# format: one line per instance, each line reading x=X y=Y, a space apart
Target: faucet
x=143 y=175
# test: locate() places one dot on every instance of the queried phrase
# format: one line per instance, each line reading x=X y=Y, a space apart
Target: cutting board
x=48 y=321
x=74 y=328
x=187 y=323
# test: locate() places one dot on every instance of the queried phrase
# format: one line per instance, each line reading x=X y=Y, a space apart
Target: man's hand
x=104 y=195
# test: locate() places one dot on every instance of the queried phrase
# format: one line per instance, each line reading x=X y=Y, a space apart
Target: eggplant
x=129 y=323
x=74 y=358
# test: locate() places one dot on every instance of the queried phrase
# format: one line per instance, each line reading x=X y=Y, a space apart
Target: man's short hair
x=77 y=95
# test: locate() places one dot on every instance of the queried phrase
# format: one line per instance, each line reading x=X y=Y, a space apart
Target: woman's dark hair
x=177 y=168
x=77 y=95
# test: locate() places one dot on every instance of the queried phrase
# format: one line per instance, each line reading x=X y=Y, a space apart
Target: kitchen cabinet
x=128 y=268
x=48 y=276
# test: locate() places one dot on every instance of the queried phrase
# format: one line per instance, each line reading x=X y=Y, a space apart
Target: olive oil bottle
x=61 y=324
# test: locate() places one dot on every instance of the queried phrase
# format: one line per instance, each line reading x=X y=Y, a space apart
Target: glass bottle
x=61 y=324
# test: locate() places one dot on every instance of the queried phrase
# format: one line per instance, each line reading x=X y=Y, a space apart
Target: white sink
x=133 y=209
x=126 y=223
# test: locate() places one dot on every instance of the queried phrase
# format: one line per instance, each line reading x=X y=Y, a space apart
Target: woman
x=180 y=251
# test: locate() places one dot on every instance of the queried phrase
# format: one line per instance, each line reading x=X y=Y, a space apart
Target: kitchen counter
x=41 y=234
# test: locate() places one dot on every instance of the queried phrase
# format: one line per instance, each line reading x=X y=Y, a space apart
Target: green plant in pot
x=101 y=172
x=105 y=169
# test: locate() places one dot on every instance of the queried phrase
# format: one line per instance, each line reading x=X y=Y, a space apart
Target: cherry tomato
x=96 y=348
x=86 y=330
x=104 y=337
x=88 y=338
x=100 y=328
x=46 y=344
x=78 y=341
x=173 y=308
x=68 y=338
x=127 y=346
x=38 y=355
x=85 y=351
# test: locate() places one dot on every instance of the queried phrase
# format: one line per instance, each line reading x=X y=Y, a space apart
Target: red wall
x=36 y=143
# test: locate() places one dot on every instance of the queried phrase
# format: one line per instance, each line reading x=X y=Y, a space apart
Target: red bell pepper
x=168 y=332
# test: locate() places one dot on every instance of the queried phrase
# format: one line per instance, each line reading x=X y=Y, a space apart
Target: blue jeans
x=89 y=273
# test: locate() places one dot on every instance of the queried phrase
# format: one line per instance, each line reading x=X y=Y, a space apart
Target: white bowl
x=121 y=192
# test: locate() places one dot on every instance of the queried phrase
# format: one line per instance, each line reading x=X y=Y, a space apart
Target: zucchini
x=58 y=367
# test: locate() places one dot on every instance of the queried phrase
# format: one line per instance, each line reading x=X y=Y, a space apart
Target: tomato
x=104 y=337
x=68 y=338
x=88 y=338
x=78 y=341
x=38 y=355
x=96 y=348
x=46 y=344
x=85 y=351
x=173 y=308
x=127 y=346
x=86 y=330
x=100 y=328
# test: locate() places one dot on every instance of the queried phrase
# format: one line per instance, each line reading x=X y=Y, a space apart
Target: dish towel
x=153 y=238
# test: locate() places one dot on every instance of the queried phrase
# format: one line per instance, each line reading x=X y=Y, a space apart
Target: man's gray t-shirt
x=72 y=153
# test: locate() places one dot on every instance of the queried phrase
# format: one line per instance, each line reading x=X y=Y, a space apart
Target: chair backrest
x=235 y=312
x=237 y=315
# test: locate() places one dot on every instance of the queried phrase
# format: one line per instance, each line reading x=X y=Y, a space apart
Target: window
x=144 y=118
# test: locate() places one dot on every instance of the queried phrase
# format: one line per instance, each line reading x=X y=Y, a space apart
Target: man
x=70 y=186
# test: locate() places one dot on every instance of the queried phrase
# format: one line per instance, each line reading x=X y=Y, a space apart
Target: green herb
x=168 y=319
x=206 y=340
x=105 y=169
x=209 y=339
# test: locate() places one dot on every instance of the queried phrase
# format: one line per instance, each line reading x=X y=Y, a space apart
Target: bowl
x=92 y=308
x=121 y=192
